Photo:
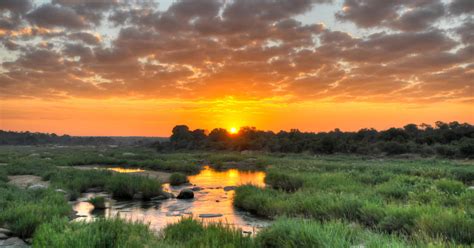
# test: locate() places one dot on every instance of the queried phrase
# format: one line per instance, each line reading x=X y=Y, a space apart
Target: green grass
x=192 y=233
x=425 y=200
x=100 y=233
x=23 y=211
x=289 y=233
x=338 y=200
x=178 y=179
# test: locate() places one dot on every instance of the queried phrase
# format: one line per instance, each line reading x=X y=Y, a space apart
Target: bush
x=178 y=179
x=283 y=181
x=394 y=148
x=445 y=151
x=466 y=148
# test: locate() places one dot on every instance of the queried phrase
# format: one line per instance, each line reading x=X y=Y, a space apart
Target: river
x=211 y=199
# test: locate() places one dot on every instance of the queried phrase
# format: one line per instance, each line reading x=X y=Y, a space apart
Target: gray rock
x=37 y=187
x=13 y=243
x=3 y=236
x=196 y=188
x=229 y=188
x=210 y=215
x=186 y=194
x=5 y=231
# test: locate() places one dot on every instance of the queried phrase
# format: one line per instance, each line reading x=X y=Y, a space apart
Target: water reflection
x=125 y=170
x=211 y=199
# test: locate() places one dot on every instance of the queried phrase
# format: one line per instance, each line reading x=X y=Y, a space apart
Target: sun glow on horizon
x=233 y=130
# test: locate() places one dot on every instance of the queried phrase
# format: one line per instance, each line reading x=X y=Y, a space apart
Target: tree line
x=451 y=139
x=30 y=138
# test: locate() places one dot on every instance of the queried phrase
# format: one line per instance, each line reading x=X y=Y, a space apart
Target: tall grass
x=99 y=233
x=192 y=233
x=306 y=233
x=24 y=210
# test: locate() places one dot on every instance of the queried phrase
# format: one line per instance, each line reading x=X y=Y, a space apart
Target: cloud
x=402 y=15
x=49 y=15
x=211 y=48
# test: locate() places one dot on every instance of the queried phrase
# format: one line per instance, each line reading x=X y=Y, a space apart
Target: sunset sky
x=138 y=68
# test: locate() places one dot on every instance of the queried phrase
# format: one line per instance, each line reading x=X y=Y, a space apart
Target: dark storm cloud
x=246 y=48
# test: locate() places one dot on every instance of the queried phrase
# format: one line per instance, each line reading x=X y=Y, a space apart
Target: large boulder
x=186 y=194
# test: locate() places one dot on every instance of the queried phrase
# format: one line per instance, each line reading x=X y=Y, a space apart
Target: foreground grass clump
x=178 y=179
x=60 y=233
x=307 y=233
x=192 y=233
x=23 y=211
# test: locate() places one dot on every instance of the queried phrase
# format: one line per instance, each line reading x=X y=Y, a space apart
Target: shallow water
x=212 y=199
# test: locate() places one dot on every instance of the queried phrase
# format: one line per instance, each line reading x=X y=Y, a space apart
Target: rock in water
x=210 y=215
x=186 y=194
x=229 y=188
x=196 y=188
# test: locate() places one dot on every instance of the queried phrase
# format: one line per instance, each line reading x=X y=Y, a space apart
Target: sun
x=233 y=130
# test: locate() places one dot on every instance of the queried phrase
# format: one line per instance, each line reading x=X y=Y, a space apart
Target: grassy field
x=328 y=201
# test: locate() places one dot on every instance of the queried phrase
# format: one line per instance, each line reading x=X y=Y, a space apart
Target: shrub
x=283 y=181
x=178 y=179
x=394 y=148
x=466 y=148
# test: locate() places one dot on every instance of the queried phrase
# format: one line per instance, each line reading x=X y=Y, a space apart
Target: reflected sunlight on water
x=211 y=199
x=124 y=170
